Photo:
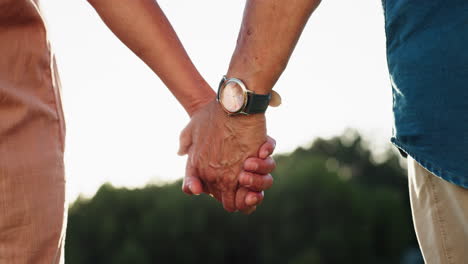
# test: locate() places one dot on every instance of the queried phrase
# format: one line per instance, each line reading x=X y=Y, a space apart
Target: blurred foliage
x=330 y=204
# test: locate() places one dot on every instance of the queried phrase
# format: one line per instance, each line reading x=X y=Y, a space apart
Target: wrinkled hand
x=217 y=146
x=253 y=180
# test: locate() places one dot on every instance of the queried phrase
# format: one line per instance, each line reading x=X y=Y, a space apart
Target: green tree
x=330 y=204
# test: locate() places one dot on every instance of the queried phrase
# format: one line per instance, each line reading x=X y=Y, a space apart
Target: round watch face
x=232 y=97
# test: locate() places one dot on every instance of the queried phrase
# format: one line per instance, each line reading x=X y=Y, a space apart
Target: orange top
x=28 y=77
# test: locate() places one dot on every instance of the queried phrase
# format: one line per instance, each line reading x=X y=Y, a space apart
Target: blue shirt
x=427 y=54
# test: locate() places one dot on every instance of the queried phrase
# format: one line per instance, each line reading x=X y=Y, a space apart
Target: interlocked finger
x=255 y=182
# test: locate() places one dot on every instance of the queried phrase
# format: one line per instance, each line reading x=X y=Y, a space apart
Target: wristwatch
x=235 y=98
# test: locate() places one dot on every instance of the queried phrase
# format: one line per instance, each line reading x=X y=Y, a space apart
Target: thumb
x=228 y=199
x=185 y=141
x=267 y=148
x=192 y=183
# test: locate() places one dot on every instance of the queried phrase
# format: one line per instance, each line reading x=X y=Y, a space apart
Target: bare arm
x=269 y=33
x=143 y=27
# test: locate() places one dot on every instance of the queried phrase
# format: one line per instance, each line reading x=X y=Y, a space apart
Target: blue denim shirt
x=427 y=54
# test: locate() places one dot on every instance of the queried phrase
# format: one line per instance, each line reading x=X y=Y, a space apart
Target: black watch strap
x=257 y=103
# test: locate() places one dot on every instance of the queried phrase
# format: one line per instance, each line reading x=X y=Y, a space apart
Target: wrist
x=253 y=80
x=251 y=119
x=252 y=71
x=201 y=99
x=235 y=123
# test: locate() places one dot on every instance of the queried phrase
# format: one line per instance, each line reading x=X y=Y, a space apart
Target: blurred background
x=331 y=203
x=340 y=194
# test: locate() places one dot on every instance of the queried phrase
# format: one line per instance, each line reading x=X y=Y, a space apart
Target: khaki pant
x=32 y=131
x=440 y=215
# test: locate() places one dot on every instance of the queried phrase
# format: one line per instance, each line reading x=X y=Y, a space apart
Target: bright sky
x=123 y=124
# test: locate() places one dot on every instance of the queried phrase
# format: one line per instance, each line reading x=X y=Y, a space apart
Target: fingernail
x=264 y=154
x=252 y=200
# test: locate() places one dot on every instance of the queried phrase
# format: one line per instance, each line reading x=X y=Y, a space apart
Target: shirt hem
x=430 y=166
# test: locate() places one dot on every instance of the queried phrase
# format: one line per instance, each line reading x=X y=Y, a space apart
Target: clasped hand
x=228 y=157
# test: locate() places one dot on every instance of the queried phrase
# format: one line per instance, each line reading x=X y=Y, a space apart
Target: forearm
x=142 y=26
x=269 y=32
